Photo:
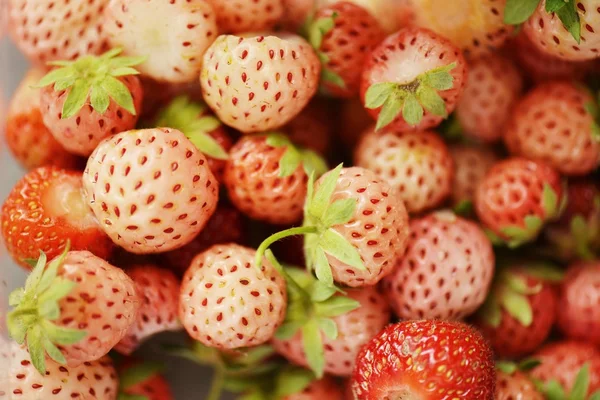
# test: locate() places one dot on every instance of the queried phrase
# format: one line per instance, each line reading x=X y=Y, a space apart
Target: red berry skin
x=155 y=387
x=217 y=167
x=46 y=209
x=324 y=388
x=471 y=163
x=405 y=55
x=313 y=128
x=516 y=387
x=425 y=360
x=581 y=197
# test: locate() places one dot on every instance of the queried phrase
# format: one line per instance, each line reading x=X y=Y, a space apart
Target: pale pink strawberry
x=417 y=164
x=355 y=328
x=493 y=87
x=471 y=163
x=235 y=16
x=324 y=388
x=259 y=83
x=151 y=189
x=228 y=302
x=173 y=35
x=158 y=290
x=45 y=30
x=446 y=272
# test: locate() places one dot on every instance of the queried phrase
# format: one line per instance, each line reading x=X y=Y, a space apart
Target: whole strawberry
x=158 y=290
x=417 y=164
x=433 y=74
x=173 y=35
x=84 y=101
x=578 y=311
x=247 y=16
x=493 y=87
x=516 y=197
x=471 y=163
x=425 y=360
x=227 y=301
x=259 y=83
x=446 y=272
x=74 y=309
x=552 y=124
x=143 y=381
x=46 y=31
x=151 y=189
x=515 y=386
x=30 y=142
x=44 y=211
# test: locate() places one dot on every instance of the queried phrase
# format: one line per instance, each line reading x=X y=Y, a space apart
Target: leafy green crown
x=518 y=11
x=295 y=156
x=553 y=390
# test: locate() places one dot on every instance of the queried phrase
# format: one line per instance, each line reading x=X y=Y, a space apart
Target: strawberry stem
x=302 y=230
x=216 y=386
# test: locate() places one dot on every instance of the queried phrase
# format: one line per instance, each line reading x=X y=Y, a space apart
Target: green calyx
x=135 y=375
x=187 y=116
x=510 y=367
x=296 y=155
x=593 y=108
x=553 y=390
x=93 y=77
x=35 y=307
x=518 y=11
x=411 y=98
x=463 y=208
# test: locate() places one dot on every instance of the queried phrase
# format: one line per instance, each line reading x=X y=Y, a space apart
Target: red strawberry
x=44 y=211
x=493 y=87
x=387 y=12
x=428 y=360
x=417 y=164
x=343 y=34
x=432 y=76
x=446 y=272
x=27 y=137
x=471 y=163
x=75 y=309
x=475 y=26
x=552 y=124
x=520 y=310
x=515 y=386
x=578 y=303
x=143 y=381
x=173 y=35
x=247 y=16
x=516 y=197
x=324 y=388
x=296 y=13
x=151 y=189
x=93 y=380
x=313 y=128
x=46 y=31
x=158 y=290
x=85 y=101
x=227 y=302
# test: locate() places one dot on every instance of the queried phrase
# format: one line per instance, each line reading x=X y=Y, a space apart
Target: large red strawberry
x=74 y=309
x=553 y=123
x=520 y=309
x=579 y=303
x=45 y=30
x=171 y=35
x=428 y=360
x=44 y=211
x=446 y=272
x=143 y=381
x=30 y=142
x=471 y=163
x=412 y=80
x=151 y=189
x=259 y=83
x=515 y=386
x=247 y=16
x=158 y=291
x=516 y=197
x=84 y=101
x=417 y=164
x=228 y=302
x=493 y=87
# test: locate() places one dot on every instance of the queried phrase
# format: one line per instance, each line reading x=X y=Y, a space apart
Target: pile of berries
x=371 y=200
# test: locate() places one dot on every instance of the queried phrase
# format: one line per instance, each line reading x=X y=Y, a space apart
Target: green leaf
x=60 y=288
x=545 y=271
x=554 y=391
x=549 y=201
x=495 y=239
x=318 y=29
x=431 y=101
x=36 y=349
x=53 y=351
x=582 y=383
x=528 y=364
x=313 y=162
x=507 y=367
x=99 y=99
x=490 y=312
x=390 y=110
x=519 y=284
x=570 y=19
x=204 y=124
x=329 y=76
x=518 y=307
x=124 y=71
x=328 y=327
x=340 y=212
x=18 y=324
x=378 y=93
x=34 y=278
x=412 y=112
x=322 y=268
x=595 y=131
x=288 y=329
x=291 y=381
x=289 y=162
x=595 y=396
x=49 y=310
x=76 y=98
x=464 y=207
x=320 y=202
x=518 y=11
x=313 y=347
x=140 y=373
x=123 y=62
x=62 y=336
x=207 y=144
x=15 y=297
x=334 y=244
x=55 y=75
x=439 y=78
x=554 y=5
x=320 y=291
x=336 y=306
x=119 y=93
x=49 y=275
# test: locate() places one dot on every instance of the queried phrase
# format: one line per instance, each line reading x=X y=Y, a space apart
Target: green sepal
x=412 y=111
x=334 y=244
x=318 y=204
x=328 y=327
x=288 y=329
x=331 y=77
x=335 y=306
x=490 y=312
x=319 y=28
x=518 y=235
x=140 y=373
x=510 y=367
x=555 y=5
x=312 y=344
x=570 y=18
x=464 y=207
x=493 y=237
x=549 y=201
x=321 y=266
x=294 y=156
x=518 y=307
x=292 y=380
x=582 y=384
x=518 y=11
x=545 y=271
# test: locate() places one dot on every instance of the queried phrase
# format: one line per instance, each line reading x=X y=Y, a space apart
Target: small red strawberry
x=247 y=16
x=471 y=163
x=324 y=388
x=158 y=290
x=516 y=197
x=45 y=31
x=515 y=386
x=313 y=128
x=343 y=35
x=520 y=309
x=44 y=211
x=30 y=142
x=417 y=164
x=426 y=360
x=446 y=272
x=552 y=124
x=227 y=302
x=84 y=101
x=173 y=36
x=493 y=87
x=143 y=381
x=151 y=189
x=412 y=80
x=74 y=309
x=579 y=303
